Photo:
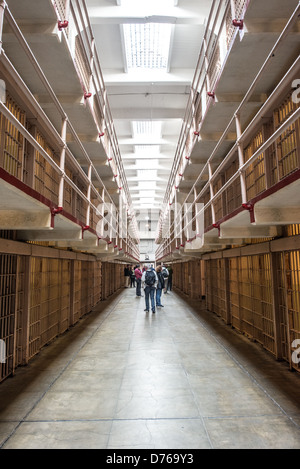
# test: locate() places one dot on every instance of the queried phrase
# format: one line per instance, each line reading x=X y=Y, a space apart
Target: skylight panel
x=147 y=45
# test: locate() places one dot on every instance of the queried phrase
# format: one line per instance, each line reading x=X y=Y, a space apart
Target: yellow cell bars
x=255 y=173
x=49 y=301
x=287 y=146
x=36 y=303
x=77 y=291
x=83 y=289
x=196 y=283
x=251 y=298
x=97 y=266
x=95 y=215
x=289 y=281
x=187 y=277
x=26 y=141
x=12 y=142
x=8 y=273
x=65 y=295
x=68 y=194
x=81 y=205
x=260 y=301
x=19 y=332
x=234 y=292
x=108 y=279
x=215 y=286
x=292 y=230
x=219 y=205
x=46 y=179
x=233 y=192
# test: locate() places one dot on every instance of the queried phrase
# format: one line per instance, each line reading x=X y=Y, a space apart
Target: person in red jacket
x=138 y=278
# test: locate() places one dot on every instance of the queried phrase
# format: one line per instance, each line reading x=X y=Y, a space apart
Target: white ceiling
x=157 y=96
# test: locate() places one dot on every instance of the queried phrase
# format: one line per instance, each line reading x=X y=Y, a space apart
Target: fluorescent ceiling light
x=145 y=194
x=146 y=3
x=144 y=185
x=146 y=163
x=146 y=150
x=148 y=201
x=147 y=174
x=147 y=45
x=146 y=205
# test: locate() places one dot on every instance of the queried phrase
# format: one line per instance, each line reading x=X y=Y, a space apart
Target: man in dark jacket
x=127 y=275
x=160 y=286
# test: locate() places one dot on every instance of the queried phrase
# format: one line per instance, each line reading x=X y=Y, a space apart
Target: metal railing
x=214 y=183
x=66 y=164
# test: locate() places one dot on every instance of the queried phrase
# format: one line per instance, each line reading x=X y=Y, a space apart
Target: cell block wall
x=257 y=294
x=42 y=297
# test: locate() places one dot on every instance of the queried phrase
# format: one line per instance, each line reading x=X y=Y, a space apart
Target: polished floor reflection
x=126 y=379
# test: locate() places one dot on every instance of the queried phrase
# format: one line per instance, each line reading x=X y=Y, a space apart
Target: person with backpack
x=149 y=282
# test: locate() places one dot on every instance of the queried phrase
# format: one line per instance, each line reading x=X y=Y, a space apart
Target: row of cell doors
x=263 y=294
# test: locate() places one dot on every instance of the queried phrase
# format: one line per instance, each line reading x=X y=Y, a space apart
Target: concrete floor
x=125 y=379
